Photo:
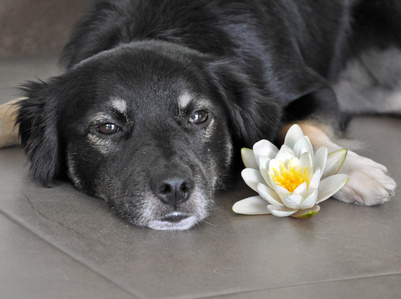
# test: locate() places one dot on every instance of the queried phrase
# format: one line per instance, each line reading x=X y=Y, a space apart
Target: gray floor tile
x=31 y=268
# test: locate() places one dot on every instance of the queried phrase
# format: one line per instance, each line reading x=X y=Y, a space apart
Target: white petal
x=248 y=158
x=280 y=211
x=320 y=158
x=269 y=194
x=315 y=181
x=302 y=189
x=263 y=166
x=334 y=162
x=264 y=162
x=293 y=135
x=284 y=156
x=276 y=165
x=254 y=205
x=252 y=177
x=281 y=191
x=302 y=146
x=285 y=153
x=306 y=160
x=264 y=148
x=292 y=201
x=296 y=163
x=286 y=148
x=310 y=201
x=329 y=186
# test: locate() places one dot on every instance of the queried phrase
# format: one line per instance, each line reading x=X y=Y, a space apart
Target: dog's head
x=149 y=127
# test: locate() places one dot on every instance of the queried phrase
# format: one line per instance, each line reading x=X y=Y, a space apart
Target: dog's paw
x=8 y=130
x=369 y=183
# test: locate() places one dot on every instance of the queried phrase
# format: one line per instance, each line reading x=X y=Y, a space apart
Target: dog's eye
x=108 y=128
x=198 y=117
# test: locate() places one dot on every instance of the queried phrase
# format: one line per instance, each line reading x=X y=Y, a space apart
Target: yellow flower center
x=290 y=177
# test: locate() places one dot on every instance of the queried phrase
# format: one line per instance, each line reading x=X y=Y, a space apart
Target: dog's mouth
x=174 y=221
x=175 y=217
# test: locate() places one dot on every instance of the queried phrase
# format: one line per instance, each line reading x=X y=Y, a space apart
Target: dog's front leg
x=8 y=129
x=369 y=182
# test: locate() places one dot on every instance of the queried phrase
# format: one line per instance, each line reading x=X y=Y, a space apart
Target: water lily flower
x=292 y=181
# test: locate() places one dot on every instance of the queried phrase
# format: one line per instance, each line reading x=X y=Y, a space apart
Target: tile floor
x=59 y=243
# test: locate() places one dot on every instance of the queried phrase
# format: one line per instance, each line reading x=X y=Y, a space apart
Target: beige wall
x=34 y=27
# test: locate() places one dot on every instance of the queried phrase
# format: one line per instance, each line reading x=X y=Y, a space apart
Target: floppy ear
x=290 y=95
x=37 y=119
x=253 y=115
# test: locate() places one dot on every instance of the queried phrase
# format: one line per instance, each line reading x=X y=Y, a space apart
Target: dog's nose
x=172 y=188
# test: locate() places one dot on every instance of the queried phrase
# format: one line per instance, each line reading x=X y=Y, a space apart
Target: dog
x=157 y=97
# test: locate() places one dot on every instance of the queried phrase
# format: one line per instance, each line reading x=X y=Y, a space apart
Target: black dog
x=158 y=97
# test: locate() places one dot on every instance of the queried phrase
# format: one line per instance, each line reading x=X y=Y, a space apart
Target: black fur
x=259 y=63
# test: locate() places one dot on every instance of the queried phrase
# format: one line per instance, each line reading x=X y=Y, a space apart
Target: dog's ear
x=258 y=113
x=253 y=115
x=301 y=91
x=37 y=120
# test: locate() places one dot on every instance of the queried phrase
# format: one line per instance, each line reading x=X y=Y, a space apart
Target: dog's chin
x=174 y=221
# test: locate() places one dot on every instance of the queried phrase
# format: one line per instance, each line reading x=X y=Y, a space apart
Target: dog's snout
x=172 y=188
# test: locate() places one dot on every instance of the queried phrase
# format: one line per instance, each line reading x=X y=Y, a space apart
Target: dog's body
x=158 y=96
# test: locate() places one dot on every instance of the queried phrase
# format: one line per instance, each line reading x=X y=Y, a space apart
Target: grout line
x=296 y=286
x=16 y=221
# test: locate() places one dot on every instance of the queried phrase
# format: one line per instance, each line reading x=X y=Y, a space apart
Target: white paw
x=369 y=184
